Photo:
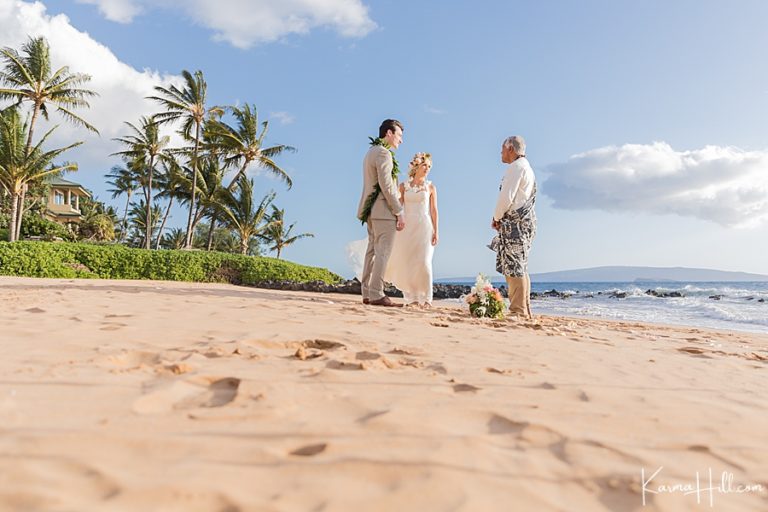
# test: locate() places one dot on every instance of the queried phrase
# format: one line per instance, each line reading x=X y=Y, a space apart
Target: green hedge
x=82 y=260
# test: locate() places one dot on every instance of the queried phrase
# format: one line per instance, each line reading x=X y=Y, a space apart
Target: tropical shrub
x=73 y=260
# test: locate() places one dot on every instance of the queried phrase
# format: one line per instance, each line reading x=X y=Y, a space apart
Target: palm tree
x=174 y=239
x=28 y=77
x=141 y=228
x=19 y=167
x=123 y=181
x=240 y=214
x=243 y=145
x=210 y=189
x=172 y=185
x=145 y=145
x=187 y=105
x=277 y=235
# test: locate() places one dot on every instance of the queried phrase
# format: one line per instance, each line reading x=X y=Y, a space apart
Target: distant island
x=632 y=274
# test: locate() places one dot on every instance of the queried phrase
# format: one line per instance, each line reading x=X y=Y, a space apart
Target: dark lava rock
x=663 y=295
x=352 y=286
x=618 y=295
x=550 y=294
x=715 y=297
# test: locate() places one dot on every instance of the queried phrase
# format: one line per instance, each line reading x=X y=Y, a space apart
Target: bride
x=410 y=264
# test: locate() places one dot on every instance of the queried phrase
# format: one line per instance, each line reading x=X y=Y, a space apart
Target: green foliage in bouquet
x=485 y=301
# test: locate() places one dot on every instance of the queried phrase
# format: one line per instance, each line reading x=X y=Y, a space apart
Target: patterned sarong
x=517 y=228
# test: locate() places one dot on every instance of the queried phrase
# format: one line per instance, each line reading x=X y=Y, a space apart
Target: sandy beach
x=159 y=396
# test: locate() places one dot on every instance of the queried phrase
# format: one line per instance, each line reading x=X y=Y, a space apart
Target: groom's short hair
x=389 y=124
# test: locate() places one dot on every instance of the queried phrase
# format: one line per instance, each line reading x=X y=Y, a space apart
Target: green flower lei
x=377 y=189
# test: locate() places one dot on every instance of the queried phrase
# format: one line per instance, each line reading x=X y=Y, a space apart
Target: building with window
x=64 y=201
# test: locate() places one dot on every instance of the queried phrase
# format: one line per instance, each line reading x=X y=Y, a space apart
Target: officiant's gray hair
x=515 y=142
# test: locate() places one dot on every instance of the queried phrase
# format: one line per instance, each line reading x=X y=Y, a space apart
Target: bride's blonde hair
x=418 y=159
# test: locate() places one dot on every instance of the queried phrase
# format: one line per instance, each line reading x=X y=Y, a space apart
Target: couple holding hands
x=402 y=222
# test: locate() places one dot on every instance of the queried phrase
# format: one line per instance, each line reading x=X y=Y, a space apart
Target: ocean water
x=739 y=307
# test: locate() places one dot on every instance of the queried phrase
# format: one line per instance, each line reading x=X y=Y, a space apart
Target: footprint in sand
x=189 y=394
x=368 y=417
x=135 y=359
x=367 y=356
x=618 y=490
x=694 y=351
x=529 y=433
x=323 y=344
x=500 y=372
x=303 y=354
x=501 y=425
x=406 y=352
x=61 y=476
x=465 y=388
x=344 y=365
x=110 y=326
x=35 y=310
x=438 y=368
x=310 y=450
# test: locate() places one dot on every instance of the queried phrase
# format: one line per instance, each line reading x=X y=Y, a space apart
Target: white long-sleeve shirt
x=516 y=187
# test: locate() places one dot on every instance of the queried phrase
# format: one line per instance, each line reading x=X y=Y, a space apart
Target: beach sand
x=157 y=396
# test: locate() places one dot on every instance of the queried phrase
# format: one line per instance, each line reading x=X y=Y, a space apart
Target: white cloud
x=355 y=251
x=433 y=110
x=725 y=185
x=121 y=11
x=122 y=88
x=283 y=117
x=244 y=23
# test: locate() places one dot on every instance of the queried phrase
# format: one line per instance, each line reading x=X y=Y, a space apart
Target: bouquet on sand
x=484 y=300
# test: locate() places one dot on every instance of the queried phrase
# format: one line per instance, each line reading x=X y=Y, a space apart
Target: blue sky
x=645 y=121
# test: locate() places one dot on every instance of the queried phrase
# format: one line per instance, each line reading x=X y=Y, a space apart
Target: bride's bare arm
x=433 y=212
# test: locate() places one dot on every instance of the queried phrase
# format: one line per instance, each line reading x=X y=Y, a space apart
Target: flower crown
x=417 y=160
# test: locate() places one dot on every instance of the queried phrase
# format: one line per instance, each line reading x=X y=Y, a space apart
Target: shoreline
x=126 y=395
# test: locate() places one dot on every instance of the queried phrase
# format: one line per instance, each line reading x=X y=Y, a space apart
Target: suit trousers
x=381 y=236
x=520 y=295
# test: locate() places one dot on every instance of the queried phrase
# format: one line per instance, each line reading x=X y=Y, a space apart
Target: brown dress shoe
x=366 y=301
x=385 y=301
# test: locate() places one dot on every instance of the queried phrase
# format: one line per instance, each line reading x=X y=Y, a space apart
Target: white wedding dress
x=410 y=265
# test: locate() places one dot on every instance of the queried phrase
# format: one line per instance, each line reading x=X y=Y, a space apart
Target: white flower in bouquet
x=485 y=300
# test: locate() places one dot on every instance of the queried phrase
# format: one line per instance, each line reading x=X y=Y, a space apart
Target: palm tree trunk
x=14 y=210
x=240 y=172
x=244 y=245
x=35 y=113
x=210 y=232
x=148 y=235
x=27 y=149
x=188 y=243
x=162 y=226
x=279 y=248
x=196 y=218
x=125 y=218
x=20 y=212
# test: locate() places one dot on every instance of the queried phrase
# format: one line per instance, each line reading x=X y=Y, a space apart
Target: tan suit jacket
x=377 y=168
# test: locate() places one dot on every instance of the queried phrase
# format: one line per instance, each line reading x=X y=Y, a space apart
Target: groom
x=381 y=210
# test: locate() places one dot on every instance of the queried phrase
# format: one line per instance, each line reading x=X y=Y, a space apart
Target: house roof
x=62 y=183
